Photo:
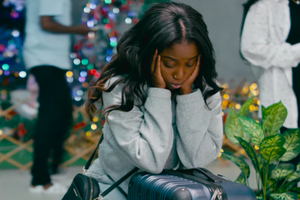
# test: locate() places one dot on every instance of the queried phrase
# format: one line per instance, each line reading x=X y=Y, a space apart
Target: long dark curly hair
x=160 y=27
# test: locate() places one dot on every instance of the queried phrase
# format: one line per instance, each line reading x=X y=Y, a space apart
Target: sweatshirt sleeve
x=256 y=46
x=144 y=136
x=200 y=129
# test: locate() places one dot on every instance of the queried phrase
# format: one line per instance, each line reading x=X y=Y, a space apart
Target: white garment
x=264 y=45
x=42 y=47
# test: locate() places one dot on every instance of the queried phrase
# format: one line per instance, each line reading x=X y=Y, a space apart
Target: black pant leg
x=50 y=127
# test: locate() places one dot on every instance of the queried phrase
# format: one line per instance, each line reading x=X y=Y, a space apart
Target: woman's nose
x=178 y=74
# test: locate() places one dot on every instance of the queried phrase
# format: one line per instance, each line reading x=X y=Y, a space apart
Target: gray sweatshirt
x=165 y=133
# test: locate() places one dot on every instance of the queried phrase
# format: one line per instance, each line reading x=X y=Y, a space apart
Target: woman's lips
x=175 y=86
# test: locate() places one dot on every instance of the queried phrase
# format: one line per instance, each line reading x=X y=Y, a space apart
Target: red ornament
x=134 y=21
x=89 y=45
x=224 y=118
x=79 y=125
x=97 y=75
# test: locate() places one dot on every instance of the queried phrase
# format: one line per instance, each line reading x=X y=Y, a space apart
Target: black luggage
x=194 y=184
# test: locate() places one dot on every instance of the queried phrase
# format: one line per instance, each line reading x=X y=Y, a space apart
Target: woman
x=160 y=98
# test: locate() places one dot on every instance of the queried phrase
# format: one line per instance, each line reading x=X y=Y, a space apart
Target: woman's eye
x=190 y=65
x=168 y=66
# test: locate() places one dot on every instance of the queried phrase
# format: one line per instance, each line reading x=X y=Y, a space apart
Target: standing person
x=46 y=54
x=271 y=43
x=160 y=98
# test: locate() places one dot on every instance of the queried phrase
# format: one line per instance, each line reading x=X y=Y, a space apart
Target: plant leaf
x=284 y=196
x=241 y=179
x=289 y=185
x=250 y=152
x=245 y=107
x=276 y=115
x=250 y=127
x=239 y=162
x=298 y=167
x=293 y=176
x=272 y=185
x=259 y=198
x=267 y=111
x=292 y=144
x=273 y=140
x=261 y=161
x=272 y=153
x=233 y=128
x=282 y=171
x=263 y=112
x=296 y=190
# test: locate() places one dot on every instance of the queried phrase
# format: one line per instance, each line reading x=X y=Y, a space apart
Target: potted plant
x=267 y=149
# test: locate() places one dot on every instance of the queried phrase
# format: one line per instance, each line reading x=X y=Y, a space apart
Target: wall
x=223 y=18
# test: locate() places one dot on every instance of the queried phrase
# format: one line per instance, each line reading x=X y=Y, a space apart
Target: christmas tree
x=109 y=19
x=12 y=20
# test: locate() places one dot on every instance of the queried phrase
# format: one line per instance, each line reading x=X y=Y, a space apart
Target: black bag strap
x=116 y=184
x=88 y=163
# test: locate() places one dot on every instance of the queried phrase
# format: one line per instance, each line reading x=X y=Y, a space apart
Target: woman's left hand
x=186 y=88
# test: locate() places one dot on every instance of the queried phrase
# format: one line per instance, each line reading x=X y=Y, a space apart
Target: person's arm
x=200 y=129
x=47 y=23
x=145 y=137
x=256 y=46
x=48 y=10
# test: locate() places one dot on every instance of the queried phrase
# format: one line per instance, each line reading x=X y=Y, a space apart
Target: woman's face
x=178 y=63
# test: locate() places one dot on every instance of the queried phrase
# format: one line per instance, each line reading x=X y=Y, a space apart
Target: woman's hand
x=186 y=87
x=157 y=79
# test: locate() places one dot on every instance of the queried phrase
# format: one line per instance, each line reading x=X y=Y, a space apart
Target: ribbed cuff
x=159 y=92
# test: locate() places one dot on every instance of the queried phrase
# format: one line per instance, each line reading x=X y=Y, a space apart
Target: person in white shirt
x=46 y=55
x=271 y=43
x=264 y=44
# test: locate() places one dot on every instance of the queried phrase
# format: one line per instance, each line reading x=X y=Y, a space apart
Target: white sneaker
x=56 y=188
x=37 y=189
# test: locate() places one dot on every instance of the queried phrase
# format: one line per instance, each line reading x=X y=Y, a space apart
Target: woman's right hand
x=156 y=77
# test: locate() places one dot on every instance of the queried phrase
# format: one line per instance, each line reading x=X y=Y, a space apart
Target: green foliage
x=275 y=116
x=233 y=128
x=239 y=162
x=266 y=148
x=284 y=196
x=250 y=127
x=242 y=179
x=292 y=144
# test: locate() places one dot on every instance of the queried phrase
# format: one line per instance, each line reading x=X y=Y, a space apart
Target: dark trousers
x=296 y=88
x=53 y=121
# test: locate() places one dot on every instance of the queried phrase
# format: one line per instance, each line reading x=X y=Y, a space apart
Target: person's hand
x=82 y=29
x=156 y=77
x=186 y=87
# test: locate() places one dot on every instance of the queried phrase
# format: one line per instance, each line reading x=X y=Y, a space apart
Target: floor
x=14 y=183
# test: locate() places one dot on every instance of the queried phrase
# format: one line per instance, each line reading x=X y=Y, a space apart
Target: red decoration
x=79 y=125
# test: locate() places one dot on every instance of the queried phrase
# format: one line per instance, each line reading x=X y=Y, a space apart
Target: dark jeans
x=296 y=88
x=53 y=121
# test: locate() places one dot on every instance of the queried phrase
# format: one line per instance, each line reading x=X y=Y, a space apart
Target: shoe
x=55 y=188
x=36 y=189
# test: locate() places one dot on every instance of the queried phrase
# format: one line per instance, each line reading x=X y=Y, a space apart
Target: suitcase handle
x=211 y=177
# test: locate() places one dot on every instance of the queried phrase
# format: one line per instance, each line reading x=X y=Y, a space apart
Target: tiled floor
x=14 y=183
